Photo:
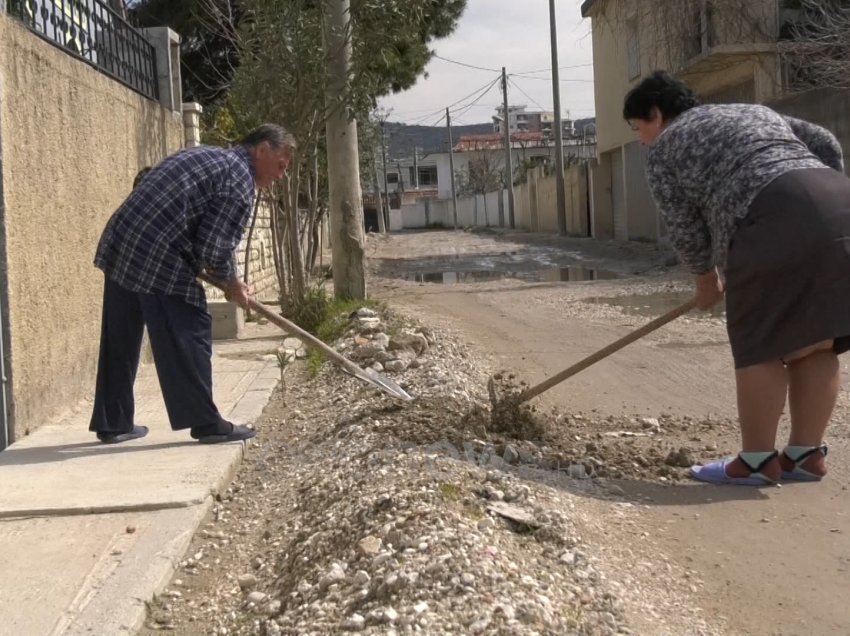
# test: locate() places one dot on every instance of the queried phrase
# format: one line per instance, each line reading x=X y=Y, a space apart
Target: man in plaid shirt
x=186 y=216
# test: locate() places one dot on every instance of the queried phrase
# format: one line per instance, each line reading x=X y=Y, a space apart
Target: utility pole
x=386 y=185
x=452 y=165
x=346 y=199
x=379 y=201
x=559 y=133
x=509 y=166
x=415 y=168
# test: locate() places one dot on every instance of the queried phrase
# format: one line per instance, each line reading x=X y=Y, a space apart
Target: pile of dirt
x=509 y=415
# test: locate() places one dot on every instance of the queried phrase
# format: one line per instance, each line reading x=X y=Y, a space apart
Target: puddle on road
x=654 y=305
x=555 y=274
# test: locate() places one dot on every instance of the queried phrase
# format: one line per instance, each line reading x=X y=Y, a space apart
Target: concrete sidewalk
x=89 y=532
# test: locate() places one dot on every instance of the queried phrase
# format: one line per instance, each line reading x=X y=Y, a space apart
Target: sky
x=496 y=33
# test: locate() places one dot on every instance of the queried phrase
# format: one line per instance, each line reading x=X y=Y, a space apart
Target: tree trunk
x=278 y=252
x=299 y=283
x=346 y=203
x=313 y=187
x=246 y=270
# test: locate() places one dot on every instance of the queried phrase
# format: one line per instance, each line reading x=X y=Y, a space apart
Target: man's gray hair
x=275 y=135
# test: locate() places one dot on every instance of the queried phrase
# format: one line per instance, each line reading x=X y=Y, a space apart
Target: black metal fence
x=91 y=30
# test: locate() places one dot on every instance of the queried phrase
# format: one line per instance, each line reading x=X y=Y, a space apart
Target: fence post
x=192 y=124
x=166 y=44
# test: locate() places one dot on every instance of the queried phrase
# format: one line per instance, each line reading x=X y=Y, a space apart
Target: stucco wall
x=734 y=56
x=536 y=201
x=738 y=57
x=610 y=77
x=73 y=139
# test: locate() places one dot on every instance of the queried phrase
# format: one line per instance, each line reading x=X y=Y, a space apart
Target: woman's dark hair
x=662 y=91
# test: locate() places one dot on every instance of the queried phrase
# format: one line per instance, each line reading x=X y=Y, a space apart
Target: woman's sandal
x=715 y=472
x=797 y=473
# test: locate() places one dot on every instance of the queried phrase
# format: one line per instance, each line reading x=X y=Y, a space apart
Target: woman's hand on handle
x=709 y=290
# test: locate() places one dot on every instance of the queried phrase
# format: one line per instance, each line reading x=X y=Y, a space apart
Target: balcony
x=718 y=40
x=717 y=58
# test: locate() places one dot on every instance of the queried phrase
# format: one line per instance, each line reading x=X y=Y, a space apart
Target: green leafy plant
x=324 y=317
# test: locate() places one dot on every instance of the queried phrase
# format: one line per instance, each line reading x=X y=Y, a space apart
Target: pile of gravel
x=356 y=513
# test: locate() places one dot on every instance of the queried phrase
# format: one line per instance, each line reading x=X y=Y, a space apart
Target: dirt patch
x=509 y=415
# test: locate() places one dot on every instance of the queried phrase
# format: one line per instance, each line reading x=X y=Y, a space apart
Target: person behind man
x=185 y=217
x=140 y=175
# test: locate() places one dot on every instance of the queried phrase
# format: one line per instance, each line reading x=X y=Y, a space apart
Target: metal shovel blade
x=370 y=376
x=382 y=382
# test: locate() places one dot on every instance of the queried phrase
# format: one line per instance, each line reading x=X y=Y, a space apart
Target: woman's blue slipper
x=715 y=473
x=138 y=432
x=801 y=474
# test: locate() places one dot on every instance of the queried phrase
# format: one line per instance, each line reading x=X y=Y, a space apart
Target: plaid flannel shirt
x=187 y=215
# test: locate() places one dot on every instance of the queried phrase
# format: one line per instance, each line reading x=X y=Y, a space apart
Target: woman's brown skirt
x=788 y=269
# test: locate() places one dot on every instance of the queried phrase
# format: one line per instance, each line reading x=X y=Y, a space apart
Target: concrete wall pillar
x=192 y=124
x=166 y=44
x=602 y=211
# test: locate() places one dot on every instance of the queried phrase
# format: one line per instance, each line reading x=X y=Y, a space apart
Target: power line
x=516 y=86
x=472 y=66
x=486 y=88
x=464 y=110
x=439 y=121
x=549 y=79
x=441 y=111
x=549 y=69
x=413 y=112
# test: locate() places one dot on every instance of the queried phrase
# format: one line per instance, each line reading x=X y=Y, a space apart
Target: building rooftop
x=495 y=140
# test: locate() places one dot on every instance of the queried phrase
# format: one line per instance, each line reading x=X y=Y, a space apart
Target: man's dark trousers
x=181 y=340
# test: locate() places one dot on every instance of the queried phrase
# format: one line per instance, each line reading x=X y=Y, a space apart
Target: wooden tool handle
x=291 y=327
x=592 y=359
x=385 y=384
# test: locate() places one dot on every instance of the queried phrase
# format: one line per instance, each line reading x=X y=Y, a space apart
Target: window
x=392 y=177
x=633 y=48
x=428 y=176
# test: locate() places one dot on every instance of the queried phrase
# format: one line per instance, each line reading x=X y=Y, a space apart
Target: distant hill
x=403 y=138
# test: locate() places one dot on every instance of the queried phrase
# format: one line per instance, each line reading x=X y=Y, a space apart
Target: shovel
x=369 y=376
x=603 y=353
